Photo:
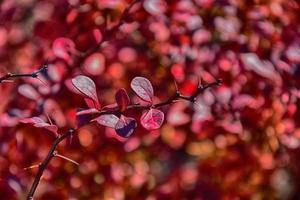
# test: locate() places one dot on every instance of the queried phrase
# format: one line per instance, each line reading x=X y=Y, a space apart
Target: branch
x=43 y=165
x=52 y=152
x=108 y=33
x=34 y=74
x=177 y=96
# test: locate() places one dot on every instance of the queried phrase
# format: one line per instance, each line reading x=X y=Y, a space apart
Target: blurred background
x=237 y=141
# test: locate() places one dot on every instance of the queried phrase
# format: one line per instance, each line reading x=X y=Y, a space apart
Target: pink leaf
x=143 y=88
x=63 y=47
x=264 y=68
x=122 y=99
x=88 y=112
x=125 y=126
x=107 y=120
x=95 y=64
x=40 y=123
x=152 y=119
x=29 y=92
x=86 y=86
x=155 y=7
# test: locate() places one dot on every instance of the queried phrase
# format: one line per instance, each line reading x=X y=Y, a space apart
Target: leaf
x=62 y=47
x=143 y=88
x=125 y=126
x=88 y=112
x=152 y=119
x=264 y=68
x=122 y=99
x=29 y=92
x=40 y=123
x=95 y=64
x=83 y=117
x=108 y=120
x=155 y=7
x=110 y=107
x=86 y=86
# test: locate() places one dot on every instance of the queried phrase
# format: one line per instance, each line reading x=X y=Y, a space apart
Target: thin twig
x=110 y=32
x=52 y=152
x=46 y=161
x=34 y=74
x=65 y=158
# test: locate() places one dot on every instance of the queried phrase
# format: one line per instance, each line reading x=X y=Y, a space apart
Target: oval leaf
x=143 y=88
x=90 y=111
x=107 y=120
x=28 y=91
x=62 y=47
x=40 y=123
x=122 y=99
x=152 y=119
x=155 y=7
x=86 y=86
x=95 y=64
x=125 y=126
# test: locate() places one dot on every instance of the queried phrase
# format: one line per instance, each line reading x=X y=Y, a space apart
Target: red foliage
x=111 y=63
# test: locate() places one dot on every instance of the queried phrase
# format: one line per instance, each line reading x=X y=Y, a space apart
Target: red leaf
x=87 y=87
x=40 y=123
x=95 y=64
x=110 y=107
x=125 y=126
x=143 y=88
x=62 y=47
x=122 y=99
x=107 y=120
x=152 y=119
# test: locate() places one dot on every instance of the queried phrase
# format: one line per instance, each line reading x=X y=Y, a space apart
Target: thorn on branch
x=31 y=167
x=34 y=74
x=65 y=158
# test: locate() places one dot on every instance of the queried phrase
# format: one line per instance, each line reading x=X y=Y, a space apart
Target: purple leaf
x=107 y=120
x=152 y=119
x=40 y=123
x=125 y=126
x=122 y=99
x=143 y=88
x=87 y=87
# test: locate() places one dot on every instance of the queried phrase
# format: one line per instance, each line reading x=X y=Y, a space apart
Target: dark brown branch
x=34 y=74
x=52 y=152
x=46 y=161
x=110 y=32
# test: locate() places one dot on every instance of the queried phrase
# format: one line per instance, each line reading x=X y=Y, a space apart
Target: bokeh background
x=238 y=141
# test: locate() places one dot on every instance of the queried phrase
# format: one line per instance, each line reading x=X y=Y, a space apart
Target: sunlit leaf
x=108 y=120
x=40 y=123
x=28 y=91
x=86 y=86
x=152 y=119
x=94 y=64
x=143 y=88
x=88 y=112
x=264 y=68
x=63 y=47
x=155 y=7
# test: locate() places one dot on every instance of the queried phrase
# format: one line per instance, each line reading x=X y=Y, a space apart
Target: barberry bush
x=149 y=99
